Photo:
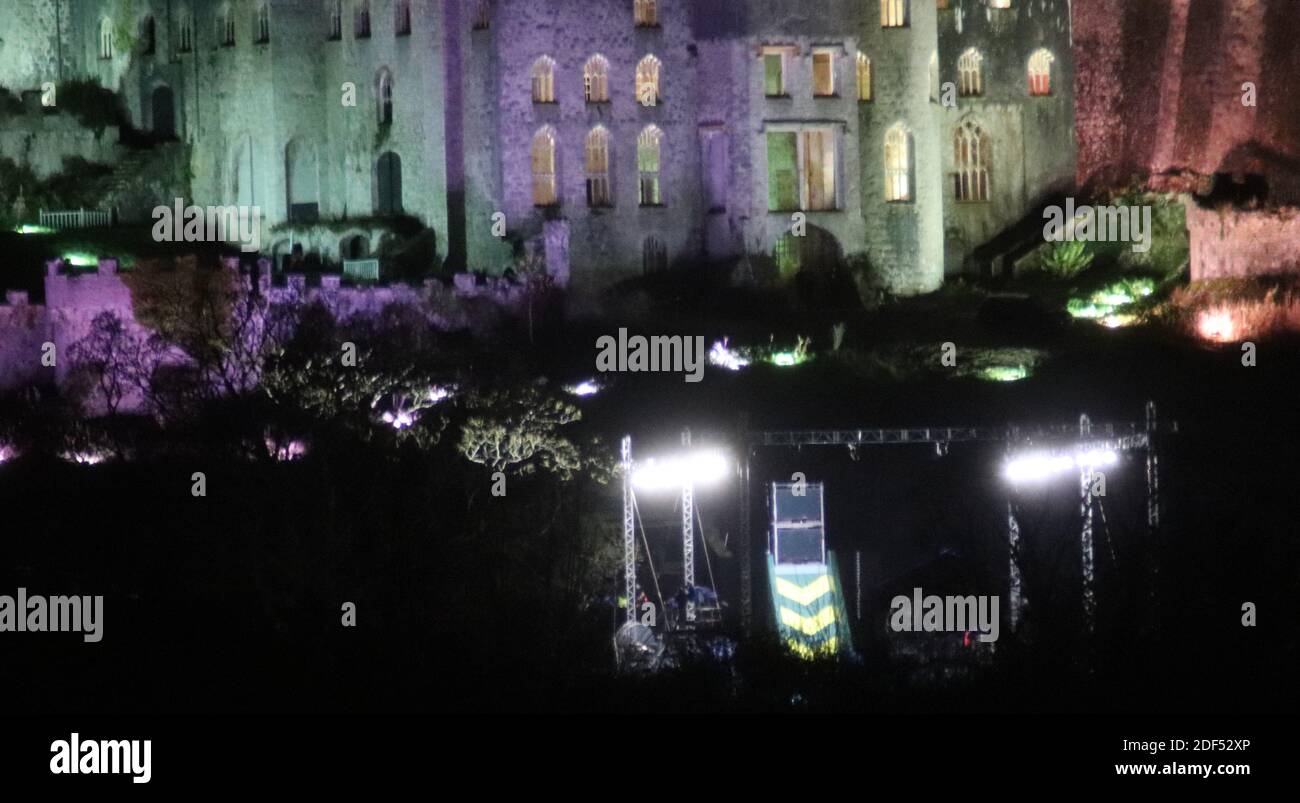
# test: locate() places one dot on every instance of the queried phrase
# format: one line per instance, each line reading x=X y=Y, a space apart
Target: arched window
x=894 y=13
x=226 y=26
x=898 y=164
x=597 y=164
x=336 y=19
x=384 y=96
x=263 y=33
x=544 y=173
x=647 y=81
x=595 y=79
x=972 y=159
x=361 y=20
x=482 y=15
x=648 y=147
x=645 y=13
x=544 y=80
x=1040 y=73
x=970 y=78
x=106 y=38
x=864 y=77
x=185 y=33
x=148 y=36
x=402 y=17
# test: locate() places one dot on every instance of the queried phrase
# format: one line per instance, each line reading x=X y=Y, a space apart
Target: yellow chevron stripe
x=809 y=625
x=804 y=595
x=828 y=647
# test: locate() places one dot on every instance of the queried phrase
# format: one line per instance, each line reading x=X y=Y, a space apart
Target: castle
x=625 y=135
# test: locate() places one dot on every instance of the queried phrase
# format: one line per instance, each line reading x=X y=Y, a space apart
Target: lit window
x=106 y=39
x=647 y=81
x=801 y=167
x=1040 y=73
x=544 y=80
x=970 y=80
x=898 y=164
x=595 y=79
x=597 y=164
x=402 y=18
x=999 y=3
x=647 y=165
x=864 y=77
x=775 y=59
x=893 y=13
x=942 y=5
x=934 y=77
x=823 y=73
x=544 y=174
x=361 y=20
x=971 y=159
x=645 y=13
x=263 y=33
x=385 y=96
x=482 y=16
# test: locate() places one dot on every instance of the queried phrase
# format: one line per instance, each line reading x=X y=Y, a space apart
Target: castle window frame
x=1040 y=73
x=545 y=175
x=972 y=162
x=543 y=80
x=597 y=164
x=895 y=13
x=185 y=33
x=649 y=163
x=823 y=72
x=862 y=72
x=776 y=66
x=226 y=26
x=970 y=74
x=336 y=22
x=262 y=34
x=898 y=164
x=595 y=79
x=148 y=35
x=384 y=97
x=645 y=13
x=647 y=81
x=810 y=182
x=361 y=20
x=401 y=17
x=106 y=39
x=482 y=16
x=999 y=4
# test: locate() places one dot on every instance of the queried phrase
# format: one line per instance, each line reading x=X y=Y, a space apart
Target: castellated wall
x=1234 y=243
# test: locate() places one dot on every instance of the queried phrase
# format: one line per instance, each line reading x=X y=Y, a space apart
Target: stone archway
x=163 y=107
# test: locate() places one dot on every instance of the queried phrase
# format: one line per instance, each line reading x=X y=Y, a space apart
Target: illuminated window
x=402 y=17
x=893 y=13
x=597 y=164
x=647 y=165
x=544 y=80
x=645 y=13
x=544 y=174
x=823 y=73
x=970 y=80
x=999 y=3
x=106 y=38
x=775 y=60
x=595 y=79
x=971 y=158
x=263 y=33
x=864 y=77
x=361 y=20
x=1040 y=73
x=898 y=164
x=647 y=81
x=801 y=168
x=482 y=15
x=384 y=94
x=934 y=77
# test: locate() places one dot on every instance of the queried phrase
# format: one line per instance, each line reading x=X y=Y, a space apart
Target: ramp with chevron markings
x=806 y=595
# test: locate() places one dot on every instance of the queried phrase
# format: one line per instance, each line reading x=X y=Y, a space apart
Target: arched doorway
x=354 y=247
x=303 y=182
x=388 y=183
x=817 y=250
x=164 y=112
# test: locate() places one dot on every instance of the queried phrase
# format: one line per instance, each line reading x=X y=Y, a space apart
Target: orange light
x=1216 y=325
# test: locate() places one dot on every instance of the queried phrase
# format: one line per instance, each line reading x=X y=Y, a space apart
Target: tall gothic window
x=106 y=38
x=544 y=80
x=263 y=32
x=336 y=19
x=894 y=13
x=972 y=159
x=1040 y=73
x=823 y=73
x=970 y=77
x=543 y=164
x=597 y=164
x=645 y=13
x=648 y=148
x=647 y=81
x=482 y=15
x=898 y=164
x=595 y=79
x=402 y=17
x=185 y=33
x=384 y=94
x=864 y=77
x=361 y=20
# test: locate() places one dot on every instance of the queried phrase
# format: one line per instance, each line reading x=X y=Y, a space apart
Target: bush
x=1066 y=260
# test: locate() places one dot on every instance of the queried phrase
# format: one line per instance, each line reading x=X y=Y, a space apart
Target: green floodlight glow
x=80 y=259
x=1004 y=373
x=30 y=229
x=784 y=358
x=1103 y=304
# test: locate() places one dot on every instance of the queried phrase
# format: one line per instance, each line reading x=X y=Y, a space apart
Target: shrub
x=1066 y=260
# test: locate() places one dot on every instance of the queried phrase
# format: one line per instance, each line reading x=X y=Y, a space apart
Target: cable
x=636 y=508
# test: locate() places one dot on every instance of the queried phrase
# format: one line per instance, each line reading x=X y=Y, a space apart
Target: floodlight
x=1036 y=467
x=678 y=471
x=1096 y=458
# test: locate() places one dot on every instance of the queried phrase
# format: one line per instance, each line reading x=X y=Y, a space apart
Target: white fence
x=364 y=269
x=76 y=219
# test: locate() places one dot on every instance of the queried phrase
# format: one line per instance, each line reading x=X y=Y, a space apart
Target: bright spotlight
x=1096 y=458
x=678 y=471
x=1037 y=467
